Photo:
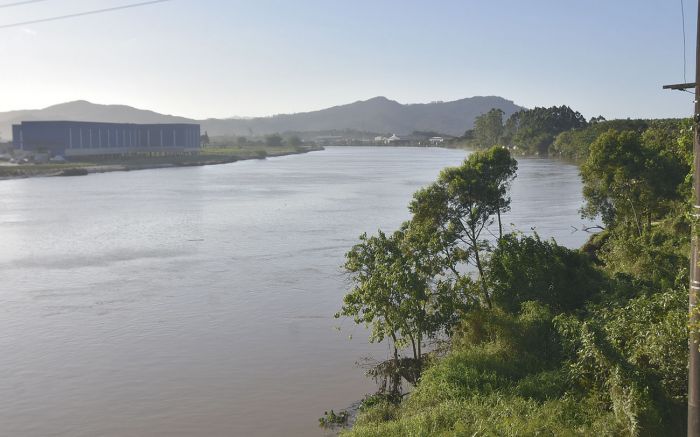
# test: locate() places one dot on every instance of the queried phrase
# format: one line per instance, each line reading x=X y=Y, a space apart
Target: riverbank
x=209 y=156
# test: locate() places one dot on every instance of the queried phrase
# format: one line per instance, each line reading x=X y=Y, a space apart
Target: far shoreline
x=12 y=172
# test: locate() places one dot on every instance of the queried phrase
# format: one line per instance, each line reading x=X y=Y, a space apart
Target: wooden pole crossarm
x=679 y=86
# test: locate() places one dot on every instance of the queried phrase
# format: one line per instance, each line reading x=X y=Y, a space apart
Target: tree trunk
x=413 y=345
x=500 y=226
x=420 y=352
x=396 y=351
x=482 y=280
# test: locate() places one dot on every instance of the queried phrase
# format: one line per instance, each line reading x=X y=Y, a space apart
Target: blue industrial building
x=81 y=138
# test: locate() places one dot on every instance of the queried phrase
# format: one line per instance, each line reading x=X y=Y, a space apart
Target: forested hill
x=379 y=115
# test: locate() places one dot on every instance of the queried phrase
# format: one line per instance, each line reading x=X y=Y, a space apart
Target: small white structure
x=436 y=140
x=393 y=139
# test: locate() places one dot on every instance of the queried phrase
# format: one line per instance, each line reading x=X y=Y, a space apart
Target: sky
x=209 y=58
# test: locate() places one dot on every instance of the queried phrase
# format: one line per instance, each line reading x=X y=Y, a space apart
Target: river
x=199 y=301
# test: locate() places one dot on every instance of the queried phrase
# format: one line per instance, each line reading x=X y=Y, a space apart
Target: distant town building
x=80 y=138
x=436 y=140
x=395 y=140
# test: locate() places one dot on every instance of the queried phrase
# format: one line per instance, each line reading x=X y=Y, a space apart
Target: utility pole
x=694 y=291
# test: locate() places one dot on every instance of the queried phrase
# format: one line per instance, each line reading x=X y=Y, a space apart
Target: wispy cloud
x=28 y=31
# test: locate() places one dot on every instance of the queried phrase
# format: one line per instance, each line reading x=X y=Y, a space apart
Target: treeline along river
x=200 y=300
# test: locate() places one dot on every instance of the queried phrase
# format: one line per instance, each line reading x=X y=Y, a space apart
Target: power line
x=25 y=2
x=685 y=62
x=81 y=14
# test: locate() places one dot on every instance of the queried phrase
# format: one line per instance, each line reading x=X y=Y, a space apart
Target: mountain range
x=376 y=115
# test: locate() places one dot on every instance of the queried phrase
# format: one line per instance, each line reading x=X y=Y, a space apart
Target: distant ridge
x=378 y=114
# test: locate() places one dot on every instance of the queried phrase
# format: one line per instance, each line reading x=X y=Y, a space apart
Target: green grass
x=486 y=391
x=38 y=169
x=250 y=151
x=496 y=383
x=492 y=415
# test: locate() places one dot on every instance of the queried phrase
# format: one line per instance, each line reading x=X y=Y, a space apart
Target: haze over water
x=199 y=301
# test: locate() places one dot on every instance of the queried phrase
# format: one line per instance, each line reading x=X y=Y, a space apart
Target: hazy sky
x=210 y=58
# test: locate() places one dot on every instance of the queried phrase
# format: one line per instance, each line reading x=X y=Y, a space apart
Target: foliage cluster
x=531 y=131
x=574 y=144
x=331 y=419
x=556 y=131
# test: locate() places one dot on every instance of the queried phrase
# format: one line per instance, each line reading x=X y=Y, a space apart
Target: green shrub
x=526 y=268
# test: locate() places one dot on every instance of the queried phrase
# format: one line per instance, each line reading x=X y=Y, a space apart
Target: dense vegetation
x=541 y=339
x=555 y=131
x=531 y=131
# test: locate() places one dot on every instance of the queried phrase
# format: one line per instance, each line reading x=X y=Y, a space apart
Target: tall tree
x=534 y=130
x=394 y=291
x=499 y=169
x=488 y=128
x=630 y=178
x=462 y=204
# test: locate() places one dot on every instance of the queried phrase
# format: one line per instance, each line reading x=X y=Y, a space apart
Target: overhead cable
x=81 y=14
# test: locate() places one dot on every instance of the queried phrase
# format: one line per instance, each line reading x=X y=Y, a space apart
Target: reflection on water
x=199 y=301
